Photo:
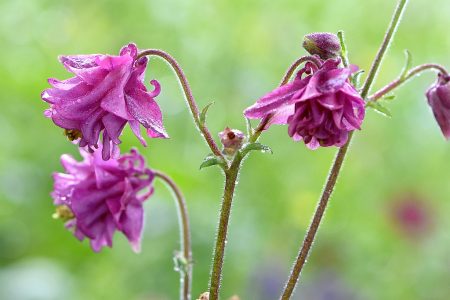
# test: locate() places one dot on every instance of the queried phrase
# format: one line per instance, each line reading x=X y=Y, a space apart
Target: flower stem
x=185 y=237
x=231 y=175
x=384 y=46
x=296 y=64
x=337 y=165
x=402 y=79
x=188 y=93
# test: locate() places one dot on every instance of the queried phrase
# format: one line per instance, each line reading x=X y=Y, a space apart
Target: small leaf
x=408 y=64
x=388 y=98
x=212 y=160
x=379 y=108
x=255 y=146
x=204 y=112
x=356 y=77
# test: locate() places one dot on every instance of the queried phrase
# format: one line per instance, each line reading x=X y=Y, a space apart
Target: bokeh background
x=385 y=235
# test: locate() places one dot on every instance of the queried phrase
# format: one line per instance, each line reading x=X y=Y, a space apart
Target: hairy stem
x=402 y=79
x=315 y=223
x=296 y=64
x=188 y=93
x=337 y=165
x=185 y=237
x=231 y=175
x=384 y=46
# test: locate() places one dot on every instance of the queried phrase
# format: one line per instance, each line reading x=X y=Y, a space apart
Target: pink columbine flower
x=439 y=99
x=320 y=109
x=98 y=197
x=106 y=92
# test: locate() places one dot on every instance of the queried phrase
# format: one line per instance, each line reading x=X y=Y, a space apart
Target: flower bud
x=325 y=45
x=204 y=296
x=439 y=99
x=232 y=140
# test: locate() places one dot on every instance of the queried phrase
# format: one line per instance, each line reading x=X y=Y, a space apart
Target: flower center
x=73 y=134
x=64 y=213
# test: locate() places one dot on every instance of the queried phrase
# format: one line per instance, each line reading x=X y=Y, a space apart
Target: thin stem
x=315 y=223
x=337 y=165
x=290 y=71
x=231 y=175
x=402 y=79
x=185 y=237
x=384 y=46
x=188 y=93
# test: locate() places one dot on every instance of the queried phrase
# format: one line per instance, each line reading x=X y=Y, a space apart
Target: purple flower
x=106 y=93
x=320 y=109
x=98 y=197
x=439 y=99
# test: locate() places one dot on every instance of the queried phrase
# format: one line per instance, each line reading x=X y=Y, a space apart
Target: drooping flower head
x=106 y=92
x=320 y=108
x=439 y=99
x=98 y=197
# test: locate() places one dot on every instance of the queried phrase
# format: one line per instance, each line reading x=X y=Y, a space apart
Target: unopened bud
x=325 y=45
x=232 y=140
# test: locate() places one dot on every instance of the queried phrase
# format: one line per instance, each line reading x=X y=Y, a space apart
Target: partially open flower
x=324 y=44
x=439 y=99
x=97 y=197
x=232 y=140
x=320 y=109
x=106 y=92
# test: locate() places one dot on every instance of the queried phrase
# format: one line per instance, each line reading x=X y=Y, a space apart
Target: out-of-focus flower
x=324 y=44
x=97 y=197
x=232 y=140
x=320 y=109
x=439 y=99
x=106 y=93
x=411 y=216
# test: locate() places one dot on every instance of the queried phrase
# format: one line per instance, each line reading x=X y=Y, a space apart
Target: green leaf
x=408 y=64
x=388 y=98
x=204 y=112
x=378 y=107
x=356 y=78
x=212 y=160
x=255 y=146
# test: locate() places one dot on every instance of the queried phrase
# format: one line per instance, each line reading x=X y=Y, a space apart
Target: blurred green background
x=385 y=235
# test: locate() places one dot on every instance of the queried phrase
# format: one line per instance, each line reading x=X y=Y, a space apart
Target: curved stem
x=402 y=79
x=290 y=71
x=337 y=165
x=185 y=237
x=188 y=93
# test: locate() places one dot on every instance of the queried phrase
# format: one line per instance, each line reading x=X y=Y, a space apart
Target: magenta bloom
x=105 y=93
x=439 y=99
x=102 y=197
x=320 y=109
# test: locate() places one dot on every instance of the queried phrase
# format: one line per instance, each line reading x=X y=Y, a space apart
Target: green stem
x=337 y=165
x=185 y=237
x=231 y=175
